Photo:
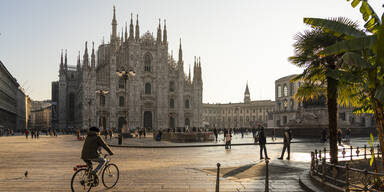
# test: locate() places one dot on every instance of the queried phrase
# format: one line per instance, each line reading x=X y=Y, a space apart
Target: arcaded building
x=238 y=115
x=311 y=113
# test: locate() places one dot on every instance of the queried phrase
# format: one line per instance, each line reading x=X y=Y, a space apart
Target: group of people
x=6 y=132
x=324 y=136
x=140 y=132
x=35 y=133
x=261 y=139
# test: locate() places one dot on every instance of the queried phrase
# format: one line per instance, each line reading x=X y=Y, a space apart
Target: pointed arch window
x=147 y=62
x=171 y=103
x=187 y=104
x=171 y=86
x=121 y=83
x=121 y=101
x=102 y=100
x=147 y=88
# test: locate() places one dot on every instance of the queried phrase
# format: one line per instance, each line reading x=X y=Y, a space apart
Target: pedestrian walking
x=110 y=134
x=339 y=136
x=26 y=133
x=105 y=132
x=144 y=132
x=347 y=133
x=323 y=135
x=227 y=140
x=287 y=143
x=262 y=142
x=215 y=133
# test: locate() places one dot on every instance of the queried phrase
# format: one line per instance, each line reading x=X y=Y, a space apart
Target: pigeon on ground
x=26 y=173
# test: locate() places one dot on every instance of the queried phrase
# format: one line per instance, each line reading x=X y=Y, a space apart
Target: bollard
x=378 y=151
x=323 y=170
x=312 y=163
x=120 y=138
x=266 y=176
x=365 y=151
x=346 y=177
x=218 y=178
x=325 y=153
x=351 y=152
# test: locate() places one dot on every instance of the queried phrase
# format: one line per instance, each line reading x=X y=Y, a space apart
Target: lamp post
x=89 y=111
x=124 y=74
x=102 y=93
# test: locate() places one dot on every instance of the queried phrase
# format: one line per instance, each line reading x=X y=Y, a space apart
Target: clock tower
x=247 y=96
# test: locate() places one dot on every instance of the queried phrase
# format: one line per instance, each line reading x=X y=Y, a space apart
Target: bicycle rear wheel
x=80 y=181
x=110 y=175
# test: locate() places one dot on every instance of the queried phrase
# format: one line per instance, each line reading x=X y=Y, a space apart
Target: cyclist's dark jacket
x=92 y=143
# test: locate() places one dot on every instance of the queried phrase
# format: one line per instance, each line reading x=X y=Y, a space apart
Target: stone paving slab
x=50 y=162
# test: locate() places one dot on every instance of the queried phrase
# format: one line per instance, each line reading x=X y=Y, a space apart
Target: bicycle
x=84 y=180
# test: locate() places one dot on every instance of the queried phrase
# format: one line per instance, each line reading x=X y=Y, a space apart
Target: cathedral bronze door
x=102 y=123
x=121 y=123
x=172 y=122
x=148 y=119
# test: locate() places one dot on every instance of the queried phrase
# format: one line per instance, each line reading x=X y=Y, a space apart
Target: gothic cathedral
x=130 y=82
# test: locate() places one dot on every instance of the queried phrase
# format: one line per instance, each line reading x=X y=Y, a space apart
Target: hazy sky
x=238 y=41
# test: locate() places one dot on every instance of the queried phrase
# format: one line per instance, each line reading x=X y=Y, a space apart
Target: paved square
x=50 y=162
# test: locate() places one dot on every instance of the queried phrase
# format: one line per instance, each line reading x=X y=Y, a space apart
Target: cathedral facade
x=154 y=93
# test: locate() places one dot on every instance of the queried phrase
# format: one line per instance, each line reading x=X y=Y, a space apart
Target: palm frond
x=338 y=27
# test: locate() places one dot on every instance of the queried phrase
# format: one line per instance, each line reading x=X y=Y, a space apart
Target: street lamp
x=89 y=113
x=124 y=74
x=102 y=93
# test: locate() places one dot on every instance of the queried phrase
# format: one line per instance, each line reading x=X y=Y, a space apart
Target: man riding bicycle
x=92 y=145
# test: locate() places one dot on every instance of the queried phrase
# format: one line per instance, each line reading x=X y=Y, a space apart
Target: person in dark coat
x=262 y=142
x=323 y=135
x=287 y=143
x=215 y=133
x=92 y=145
x=339 y=136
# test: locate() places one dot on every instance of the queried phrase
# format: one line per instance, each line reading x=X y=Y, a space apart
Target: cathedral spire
x=85 y=56
x=165 y=32
x=78 y=60
x=131 y=29
x=126 y=32
x=122 y=36
x=93 y=57
x=114 y=25
x=61 y=60
x=180 y=52
x=137 y=32
x=159 y=33
x=65 y=60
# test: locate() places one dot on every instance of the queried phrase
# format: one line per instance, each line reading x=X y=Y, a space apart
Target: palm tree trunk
x=380 y=126
x=332 y=117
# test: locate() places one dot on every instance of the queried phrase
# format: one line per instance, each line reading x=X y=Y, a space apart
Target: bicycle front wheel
x=80 y=181
x=110 y=175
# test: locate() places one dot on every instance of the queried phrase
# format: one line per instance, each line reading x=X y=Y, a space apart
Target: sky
x=238 y=41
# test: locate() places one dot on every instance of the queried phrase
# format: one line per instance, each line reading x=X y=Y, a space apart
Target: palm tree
x=307 y=47
x=363 y=53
